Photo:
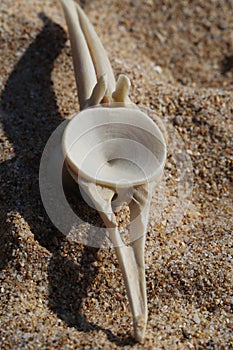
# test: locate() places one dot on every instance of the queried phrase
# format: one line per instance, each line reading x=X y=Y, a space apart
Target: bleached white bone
x=113 y=151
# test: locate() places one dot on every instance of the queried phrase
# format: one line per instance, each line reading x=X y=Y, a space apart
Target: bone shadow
x=29 y=115
x=226 y=64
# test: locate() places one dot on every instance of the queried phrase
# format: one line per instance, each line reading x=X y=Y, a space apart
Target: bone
x=97 y=51
x=130 y=258
x=84 y=68
x=121 y=93
x=113 y=150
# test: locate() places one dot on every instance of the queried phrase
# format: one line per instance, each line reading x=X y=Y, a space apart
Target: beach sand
x=56 y=293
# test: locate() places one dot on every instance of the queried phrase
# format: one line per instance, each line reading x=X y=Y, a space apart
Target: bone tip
x=139 y=329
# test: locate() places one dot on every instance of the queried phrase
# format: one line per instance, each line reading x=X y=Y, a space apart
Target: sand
x=56 y=293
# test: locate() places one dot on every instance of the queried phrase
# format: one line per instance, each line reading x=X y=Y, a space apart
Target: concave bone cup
x=114 y=146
